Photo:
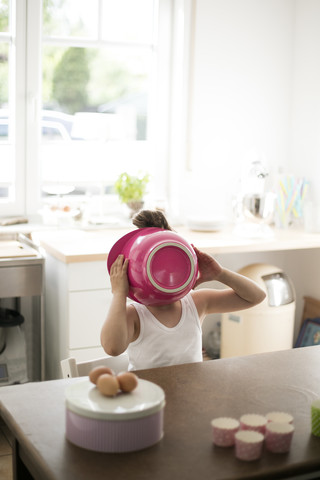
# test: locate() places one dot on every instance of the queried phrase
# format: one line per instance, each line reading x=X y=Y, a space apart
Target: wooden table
x=195 y=393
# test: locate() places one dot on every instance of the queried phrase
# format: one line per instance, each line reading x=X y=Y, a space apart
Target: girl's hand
x=118 y=276
x=209 y=268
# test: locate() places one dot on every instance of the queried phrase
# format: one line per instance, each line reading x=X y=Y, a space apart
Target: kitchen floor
x=5 y=453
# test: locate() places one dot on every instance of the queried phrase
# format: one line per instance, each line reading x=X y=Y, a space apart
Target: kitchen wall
x=304 y=146
x=241 y=93
x=254 y=94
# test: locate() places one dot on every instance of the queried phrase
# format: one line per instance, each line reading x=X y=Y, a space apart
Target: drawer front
x=20 y=281
x=87 y=312
x=88 y=276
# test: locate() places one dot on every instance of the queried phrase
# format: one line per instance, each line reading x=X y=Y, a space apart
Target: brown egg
x=97 y=371
x=127 y=381
x=108 y=385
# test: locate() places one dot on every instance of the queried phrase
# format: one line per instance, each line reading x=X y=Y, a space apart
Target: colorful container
x=279 y=417
x=248 y=445
x=162 y=268
x=315 y=418
x=224 y=430
x=253 y=421
x=123 y=423
x=278 y=437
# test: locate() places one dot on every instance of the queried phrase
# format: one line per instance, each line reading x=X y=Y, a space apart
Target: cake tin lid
x=84 y=398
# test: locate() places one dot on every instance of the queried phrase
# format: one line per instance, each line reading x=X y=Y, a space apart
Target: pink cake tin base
x=114 y=436
x=123 y=423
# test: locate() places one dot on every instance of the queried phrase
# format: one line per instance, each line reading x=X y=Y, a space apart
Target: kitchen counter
x=70 y=246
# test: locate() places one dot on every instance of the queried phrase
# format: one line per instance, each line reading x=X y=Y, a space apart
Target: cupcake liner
x=279 y=417
x=248 y=445
x=278 y=437
x=315 y=418
x=252 y=421
x=224 y=430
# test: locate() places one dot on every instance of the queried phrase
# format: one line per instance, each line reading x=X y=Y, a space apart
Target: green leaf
x=130 y=187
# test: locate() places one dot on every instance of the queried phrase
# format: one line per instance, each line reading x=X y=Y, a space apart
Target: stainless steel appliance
x=21 y=291
x=13 y=355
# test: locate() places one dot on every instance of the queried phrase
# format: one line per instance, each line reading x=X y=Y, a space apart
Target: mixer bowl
x=259 y=208
x=162 y=268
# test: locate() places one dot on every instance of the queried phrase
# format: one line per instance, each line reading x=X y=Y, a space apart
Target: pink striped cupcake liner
x=279 y=417
x=252 y=421
x=223 y=430
x=248 y=445
x=278 y=437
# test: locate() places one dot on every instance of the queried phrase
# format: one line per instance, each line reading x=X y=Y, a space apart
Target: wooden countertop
x=195 y=394
x=83 y=246
x=15 y=249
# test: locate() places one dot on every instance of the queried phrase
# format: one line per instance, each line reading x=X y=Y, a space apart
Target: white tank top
x=158 y=345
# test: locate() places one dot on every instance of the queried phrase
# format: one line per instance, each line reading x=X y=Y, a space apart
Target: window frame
x=169 y=132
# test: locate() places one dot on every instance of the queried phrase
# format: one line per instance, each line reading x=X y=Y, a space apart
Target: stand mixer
x=256 y=205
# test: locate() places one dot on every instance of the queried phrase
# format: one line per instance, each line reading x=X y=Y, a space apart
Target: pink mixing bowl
x=162 y=268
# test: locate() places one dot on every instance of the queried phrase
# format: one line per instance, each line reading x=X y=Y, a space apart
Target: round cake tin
x=123 y=423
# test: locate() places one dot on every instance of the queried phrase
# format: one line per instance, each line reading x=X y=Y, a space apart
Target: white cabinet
x=76 y=301
x=86 y=311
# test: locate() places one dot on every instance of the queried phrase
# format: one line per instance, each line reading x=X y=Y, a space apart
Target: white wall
x=241 y=91
x=255 y=94
x=304 y=145
x=305 y=140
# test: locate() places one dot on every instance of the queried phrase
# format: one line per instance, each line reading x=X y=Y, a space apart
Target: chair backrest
x=70 y=368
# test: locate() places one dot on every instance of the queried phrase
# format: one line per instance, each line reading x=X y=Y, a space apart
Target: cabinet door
x=88 y=276
x=87 y=312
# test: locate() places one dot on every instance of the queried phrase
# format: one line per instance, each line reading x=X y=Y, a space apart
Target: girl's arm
x=119 y=328
x=242 y=292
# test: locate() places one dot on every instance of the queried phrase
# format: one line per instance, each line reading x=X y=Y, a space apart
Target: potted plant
x=131 y=190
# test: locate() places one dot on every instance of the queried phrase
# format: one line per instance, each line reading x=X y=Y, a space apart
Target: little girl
x=161 y=335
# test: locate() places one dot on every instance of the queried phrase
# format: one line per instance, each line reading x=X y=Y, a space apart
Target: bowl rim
x=150 y=276
x=119 y=245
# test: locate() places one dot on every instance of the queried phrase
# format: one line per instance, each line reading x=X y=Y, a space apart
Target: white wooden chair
x=70 y=368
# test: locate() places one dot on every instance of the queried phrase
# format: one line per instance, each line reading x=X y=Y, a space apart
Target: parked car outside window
x=55 y=125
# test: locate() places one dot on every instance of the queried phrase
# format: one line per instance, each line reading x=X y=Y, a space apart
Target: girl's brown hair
x=151 y=218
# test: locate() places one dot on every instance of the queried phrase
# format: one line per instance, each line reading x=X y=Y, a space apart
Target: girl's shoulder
x=134 y=308
x=134 y=319
x=201 y=297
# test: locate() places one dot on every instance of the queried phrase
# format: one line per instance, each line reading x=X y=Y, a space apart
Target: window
x=84 y=95
x=98 y=67
x=7 y=53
